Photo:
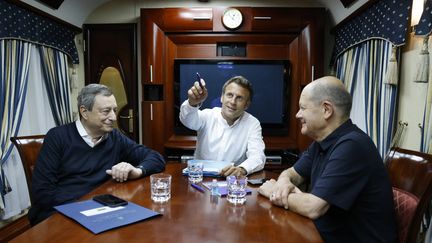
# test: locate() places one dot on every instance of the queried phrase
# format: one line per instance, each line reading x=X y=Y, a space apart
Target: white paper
x=101 y=210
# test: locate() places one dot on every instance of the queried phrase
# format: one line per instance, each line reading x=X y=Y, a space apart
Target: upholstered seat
x=28 y=148
x=411 y=177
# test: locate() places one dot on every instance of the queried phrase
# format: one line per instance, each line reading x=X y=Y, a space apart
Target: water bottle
x=214 y=188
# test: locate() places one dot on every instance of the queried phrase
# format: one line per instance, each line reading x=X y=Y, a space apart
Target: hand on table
x=266 y=189
x=233 y=170
x=278 y=191
x=123 y=171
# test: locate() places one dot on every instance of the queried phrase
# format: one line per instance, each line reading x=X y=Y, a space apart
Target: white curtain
x=37 y=119
x=15 y=60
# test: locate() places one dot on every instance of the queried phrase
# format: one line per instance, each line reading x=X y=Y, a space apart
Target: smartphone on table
x=110 y=200
x=257 y=181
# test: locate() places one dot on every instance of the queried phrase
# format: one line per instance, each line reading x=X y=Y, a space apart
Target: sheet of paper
x=101 y=210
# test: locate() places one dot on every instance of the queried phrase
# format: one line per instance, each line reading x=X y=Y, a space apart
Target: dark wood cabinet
x=294 y=34
x=276 y=20
x=188 y=19
x=152 y=38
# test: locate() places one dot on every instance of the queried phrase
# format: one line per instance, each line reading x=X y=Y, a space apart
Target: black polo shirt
x=346 y=170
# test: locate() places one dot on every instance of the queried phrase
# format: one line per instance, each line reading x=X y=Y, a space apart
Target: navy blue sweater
x=67 y=167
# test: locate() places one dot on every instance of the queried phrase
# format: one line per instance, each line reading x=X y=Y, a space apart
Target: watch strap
x=142 y=169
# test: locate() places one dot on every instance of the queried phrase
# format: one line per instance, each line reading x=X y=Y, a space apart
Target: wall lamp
x=416 y=12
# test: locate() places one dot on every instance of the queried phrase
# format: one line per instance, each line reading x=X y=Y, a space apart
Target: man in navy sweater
x=77 y=157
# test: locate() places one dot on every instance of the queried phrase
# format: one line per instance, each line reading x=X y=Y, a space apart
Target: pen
x=199 y=80
x=197 y=187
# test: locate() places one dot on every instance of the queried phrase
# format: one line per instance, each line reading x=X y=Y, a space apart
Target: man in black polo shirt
x=350 y=197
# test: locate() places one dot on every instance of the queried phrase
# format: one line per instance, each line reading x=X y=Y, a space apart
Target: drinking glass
x=236 y=189
x=195 y=171
x=160 y=185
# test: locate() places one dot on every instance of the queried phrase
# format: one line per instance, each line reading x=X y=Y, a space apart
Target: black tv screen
x=269 y=78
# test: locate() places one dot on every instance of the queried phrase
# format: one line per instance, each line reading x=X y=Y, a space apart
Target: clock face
x=232 y=18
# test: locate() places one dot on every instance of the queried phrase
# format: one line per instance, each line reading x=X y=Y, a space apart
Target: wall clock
x=232 y=18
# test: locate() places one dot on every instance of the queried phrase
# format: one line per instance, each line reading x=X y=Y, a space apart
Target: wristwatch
x=142 y=169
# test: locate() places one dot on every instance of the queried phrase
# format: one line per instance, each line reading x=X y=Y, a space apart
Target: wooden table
x=189 y=216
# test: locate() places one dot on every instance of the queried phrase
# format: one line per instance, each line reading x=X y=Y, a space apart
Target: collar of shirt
x=83 y=133
x=334 y=136
x=222 y=119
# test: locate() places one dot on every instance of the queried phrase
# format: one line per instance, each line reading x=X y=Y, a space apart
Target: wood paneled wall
x=294 y=34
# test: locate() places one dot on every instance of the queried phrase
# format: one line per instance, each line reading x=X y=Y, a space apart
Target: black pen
x=197 y=187
x=199 y=80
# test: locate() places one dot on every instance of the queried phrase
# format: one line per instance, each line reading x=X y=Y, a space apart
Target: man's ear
x=328 y=109
x=83 y=112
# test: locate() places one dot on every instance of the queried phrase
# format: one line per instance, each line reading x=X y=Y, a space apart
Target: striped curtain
x=424 y=29
x=55 y=69
x=362 y=68
x=426 y=136
x=15 y=57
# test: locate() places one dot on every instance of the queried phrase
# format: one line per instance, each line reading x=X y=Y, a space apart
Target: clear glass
x=236 y=189
x=160 y=185
x=195 y=171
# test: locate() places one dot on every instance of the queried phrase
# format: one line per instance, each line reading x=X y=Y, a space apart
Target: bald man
x=350 y=197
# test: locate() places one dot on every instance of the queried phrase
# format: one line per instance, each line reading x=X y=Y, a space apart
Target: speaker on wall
x=234 y=49
x=153 y=92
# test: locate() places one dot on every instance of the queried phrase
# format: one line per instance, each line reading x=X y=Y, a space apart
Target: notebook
x=211 y=167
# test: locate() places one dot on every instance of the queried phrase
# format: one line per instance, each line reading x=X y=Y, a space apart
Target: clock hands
x=233 y=15
x=232 y=18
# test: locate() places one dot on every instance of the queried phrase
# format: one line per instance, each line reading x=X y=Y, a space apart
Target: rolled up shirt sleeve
x=255 y=150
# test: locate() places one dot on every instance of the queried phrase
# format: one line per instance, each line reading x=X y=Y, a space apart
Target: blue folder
x=211 y=167
x=101 y=222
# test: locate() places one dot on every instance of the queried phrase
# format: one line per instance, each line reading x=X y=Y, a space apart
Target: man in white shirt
x=226 y=133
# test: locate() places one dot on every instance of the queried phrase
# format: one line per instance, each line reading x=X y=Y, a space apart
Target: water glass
x=236 y=189
x=160 y=185
x=195 y=171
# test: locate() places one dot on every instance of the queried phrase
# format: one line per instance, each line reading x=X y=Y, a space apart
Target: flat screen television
x=270 y=80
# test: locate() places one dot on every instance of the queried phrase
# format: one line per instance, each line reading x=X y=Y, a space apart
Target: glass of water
x=160 y=185
x=236 y=189
x=195 y=171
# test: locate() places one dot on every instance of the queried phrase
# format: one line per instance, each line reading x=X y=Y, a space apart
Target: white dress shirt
x=83 y=133
x=240 y=143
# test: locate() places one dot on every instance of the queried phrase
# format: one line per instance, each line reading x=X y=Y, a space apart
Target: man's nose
x=113 y=115
x=233 y=100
